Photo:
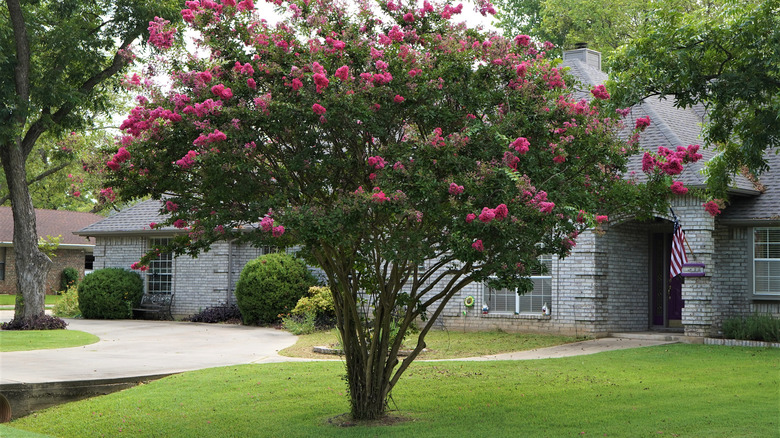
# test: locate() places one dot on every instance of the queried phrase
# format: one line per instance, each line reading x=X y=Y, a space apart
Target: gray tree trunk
x=32 y=265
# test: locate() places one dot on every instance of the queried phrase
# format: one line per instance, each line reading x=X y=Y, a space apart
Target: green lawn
x=672 y=390
x=10 y=299
x=442 y=344
x=25 y=340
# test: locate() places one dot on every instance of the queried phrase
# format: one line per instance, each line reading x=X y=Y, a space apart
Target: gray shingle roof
x=763 y=207
x=669 y=126
x=130 y=221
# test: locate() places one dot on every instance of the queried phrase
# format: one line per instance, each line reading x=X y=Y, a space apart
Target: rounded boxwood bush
x=110 y=293
x=271 y=285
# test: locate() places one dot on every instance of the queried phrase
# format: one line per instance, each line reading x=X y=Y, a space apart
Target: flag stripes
x=678 y=251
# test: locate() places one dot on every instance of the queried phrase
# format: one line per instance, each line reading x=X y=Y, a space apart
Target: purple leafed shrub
x=218 y=314
x=42 y=322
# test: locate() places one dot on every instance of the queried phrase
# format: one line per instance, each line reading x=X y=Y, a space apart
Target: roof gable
x=51 y=223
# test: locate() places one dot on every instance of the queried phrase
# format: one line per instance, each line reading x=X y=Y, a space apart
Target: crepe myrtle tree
x=406 y=155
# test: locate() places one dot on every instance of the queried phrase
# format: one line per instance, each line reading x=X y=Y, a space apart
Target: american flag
x=678 y=251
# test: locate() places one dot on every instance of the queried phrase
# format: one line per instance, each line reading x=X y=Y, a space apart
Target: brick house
x=197 y=283
x=616 y=281
x=73 y=251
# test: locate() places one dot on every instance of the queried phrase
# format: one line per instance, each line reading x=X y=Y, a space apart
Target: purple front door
x=666 y=294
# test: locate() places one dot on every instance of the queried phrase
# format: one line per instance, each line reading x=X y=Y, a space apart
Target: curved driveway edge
x=129 y=348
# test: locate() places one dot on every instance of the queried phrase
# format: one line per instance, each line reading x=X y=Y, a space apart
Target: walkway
x=130 y=348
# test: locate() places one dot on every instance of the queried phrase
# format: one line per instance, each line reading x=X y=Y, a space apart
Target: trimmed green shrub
x=68 y=278
x=68 y=305
x=110 y=293
x=753 y=328
x=271 y=285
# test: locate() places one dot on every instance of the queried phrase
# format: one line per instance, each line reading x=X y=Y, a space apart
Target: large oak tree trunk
x=32 y=265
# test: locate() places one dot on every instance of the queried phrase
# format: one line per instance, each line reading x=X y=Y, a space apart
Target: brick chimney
x=585 y=55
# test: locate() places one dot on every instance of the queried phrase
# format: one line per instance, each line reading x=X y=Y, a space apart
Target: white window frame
x=161 y=266
x=533 y=296
x=772 y=264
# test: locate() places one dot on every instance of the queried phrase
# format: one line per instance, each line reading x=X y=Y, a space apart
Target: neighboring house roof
x=669 y=126
x=133 y=220
x=759 y=208
x=51 y=223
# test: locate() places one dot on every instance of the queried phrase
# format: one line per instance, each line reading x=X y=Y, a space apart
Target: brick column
x=697 y=292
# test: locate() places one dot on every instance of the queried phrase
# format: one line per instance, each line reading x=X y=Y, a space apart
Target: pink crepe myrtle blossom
x=277 y=231
x=455 y=189
x=678 y=188
x=171 y=206
x=222 y=91
x=376 y=162
x=521 y=145
x=478 y=245
x=398 y=98
x=600 y=219
x=137 y=266
x=449 y=11
x=523 y=40
x=487 y=215
x=470 y=218
x=158 y=36
x=378 y=196
x=267 y=224
x=251 y=84
x=296 y=84
x=600 y=92
x=318 y=109
x=188 y=160
x=501 y=212
x=546 y=207
x=642 y=123
x=712 y=207
x=408 y=17
x=108 y=194
x=180 y=223
x=648 y=163
x=342 y=73
x=321 y=81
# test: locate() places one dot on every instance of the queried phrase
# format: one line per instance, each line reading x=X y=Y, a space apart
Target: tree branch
x=42 y=124
x=37 y=178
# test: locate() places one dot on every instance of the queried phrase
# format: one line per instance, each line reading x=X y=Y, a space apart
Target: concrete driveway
x=130 y=348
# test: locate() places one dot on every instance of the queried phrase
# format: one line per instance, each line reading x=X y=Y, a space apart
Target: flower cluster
x=713 y=207
x=158 y=35
x=670 y=162
x=187 y=161
x=600 y=92
x=120 y=157
x=267 y=225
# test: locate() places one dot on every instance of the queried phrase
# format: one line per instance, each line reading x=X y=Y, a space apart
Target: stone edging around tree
x=740 y=343
x=339 y=351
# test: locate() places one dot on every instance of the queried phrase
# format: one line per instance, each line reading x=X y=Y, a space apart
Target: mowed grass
x=442 y=344
x=10 y=299
x=673 y=390
x=26 y=340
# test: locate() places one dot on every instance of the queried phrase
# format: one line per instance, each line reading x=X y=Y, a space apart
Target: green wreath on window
x=469 y=301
